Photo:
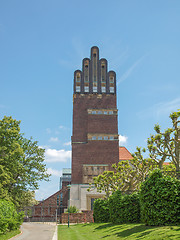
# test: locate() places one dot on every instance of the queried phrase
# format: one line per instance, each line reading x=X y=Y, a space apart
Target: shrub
x=72 y=209
x=115 y=206
x=101 y=210
x=124 y=208
x=160 y=200
x=9 y=218
x=130 y=209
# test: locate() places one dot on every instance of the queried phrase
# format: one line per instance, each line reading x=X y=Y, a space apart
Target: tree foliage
x=165 y=145
x=124 y=208
x=127 y=175
x=21 y=162
x=101 y=210
x=160 y=199
x=106 y=182
x=9 y=218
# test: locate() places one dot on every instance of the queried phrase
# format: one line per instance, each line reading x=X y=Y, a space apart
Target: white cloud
x=54 y=172
x=61 y=127
x=67 y=144
x=160 y=109
x=122 y=140
x=129 y=71
x=53 y=139
x=48 y=130
x=167 y=107
x=53 y=155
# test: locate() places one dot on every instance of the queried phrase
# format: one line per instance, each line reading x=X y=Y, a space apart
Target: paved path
x=36 y=231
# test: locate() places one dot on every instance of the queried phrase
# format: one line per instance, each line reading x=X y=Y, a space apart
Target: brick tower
x=95 y=145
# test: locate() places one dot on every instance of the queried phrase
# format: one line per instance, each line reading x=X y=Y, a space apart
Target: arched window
x=86 y=76
x=78 y=82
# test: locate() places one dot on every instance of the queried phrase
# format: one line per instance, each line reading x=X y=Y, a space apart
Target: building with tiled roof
x=124 y=154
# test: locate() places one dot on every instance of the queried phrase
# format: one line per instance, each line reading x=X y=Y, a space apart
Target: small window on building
x=78 y=79
x=94 y=89
x=105 y=112
x=93 y=137
x=110 y=112
x=111 y=138
x=77 y=88
x=86 y=89
x=99 y=112
x=111 y=89
x=99 y=138
x=93 y=112
x=103 y=89
x=111 y=79
x=86 y=79
x=105 y=137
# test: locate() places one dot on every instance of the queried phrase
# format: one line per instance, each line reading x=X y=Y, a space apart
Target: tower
x=95 y=145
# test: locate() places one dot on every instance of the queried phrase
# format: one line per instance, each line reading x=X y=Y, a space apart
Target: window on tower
x=86 y=89
x=102 y=111
x=78 y=89
x=111 y=89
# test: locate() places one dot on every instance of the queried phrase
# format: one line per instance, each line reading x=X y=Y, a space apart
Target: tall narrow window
x=86 y=76
x=111 y=83
x=94 y=72
x=78 y=82
x=103 y=77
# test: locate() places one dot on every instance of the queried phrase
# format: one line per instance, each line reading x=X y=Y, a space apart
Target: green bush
x=9 y=218
x=72 y=209
x=160 y=200
x=115 y=206
x=124 y=208
x=101 y=210
x=130 y=209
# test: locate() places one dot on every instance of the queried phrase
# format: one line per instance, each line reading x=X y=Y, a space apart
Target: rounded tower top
x=94 y=77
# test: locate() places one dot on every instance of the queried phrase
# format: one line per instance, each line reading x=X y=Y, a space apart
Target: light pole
x=68 y=186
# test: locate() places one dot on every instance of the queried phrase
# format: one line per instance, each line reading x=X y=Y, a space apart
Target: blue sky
x=43 y=42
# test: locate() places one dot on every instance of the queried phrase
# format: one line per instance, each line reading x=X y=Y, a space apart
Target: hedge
x=101 y=210
x=160 y=200
x=124 y=208
x=9 y=218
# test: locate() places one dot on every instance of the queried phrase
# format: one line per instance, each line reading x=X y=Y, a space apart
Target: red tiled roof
x=166 y=163
x=124 y=154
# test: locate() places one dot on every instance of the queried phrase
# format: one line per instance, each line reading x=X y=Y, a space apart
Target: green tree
x=127 y=175
x=165 y=145
x=21 y=161
x=133 y=172
x=106 y=182
x=9 y=218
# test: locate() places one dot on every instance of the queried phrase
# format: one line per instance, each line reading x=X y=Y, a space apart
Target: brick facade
x=83 y=217
x=95 y=128
x=46 y=209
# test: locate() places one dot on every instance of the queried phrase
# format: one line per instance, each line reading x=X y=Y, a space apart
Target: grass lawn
x=9 y=235
x=110 y=231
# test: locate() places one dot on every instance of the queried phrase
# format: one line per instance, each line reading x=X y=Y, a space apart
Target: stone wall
x=84 y=217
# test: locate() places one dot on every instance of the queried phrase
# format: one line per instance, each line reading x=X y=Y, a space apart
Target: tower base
x=81 y=198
